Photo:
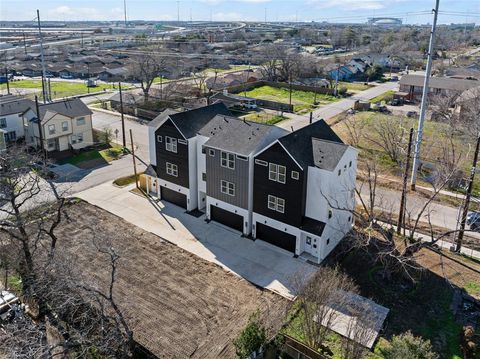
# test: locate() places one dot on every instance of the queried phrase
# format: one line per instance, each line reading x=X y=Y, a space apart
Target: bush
x=408 y=346
x=251 y=339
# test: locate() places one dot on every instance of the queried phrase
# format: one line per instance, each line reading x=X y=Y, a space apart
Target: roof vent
x=225 y=119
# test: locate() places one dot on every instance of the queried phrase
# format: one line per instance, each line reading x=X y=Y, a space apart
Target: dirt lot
x=178 y=305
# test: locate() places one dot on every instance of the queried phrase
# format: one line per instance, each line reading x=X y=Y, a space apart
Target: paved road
x=336 y=108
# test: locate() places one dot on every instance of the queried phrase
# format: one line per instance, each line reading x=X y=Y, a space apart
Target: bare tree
x=389 y=137
x=317 y=296
x=355 y=130
x=145 y=68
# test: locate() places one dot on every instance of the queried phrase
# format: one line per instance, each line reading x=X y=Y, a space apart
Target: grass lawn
x=108 y=154
x=125 y=181
x=59 y=88
x=354 y=86
x=263 y=117
x=303 y=101
x=387 y=96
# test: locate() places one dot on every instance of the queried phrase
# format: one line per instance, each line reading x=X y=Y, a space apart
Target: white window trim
x=276 y=204
x=229 y=160
x=171 y=144
x=274 y=173
x=183 y=142
x=261 y=163
x=159 y=139
x=50 y=131
x=82 y=120
x=227 y=188
x=172 y=169
x=63 y=127
x=211 y=152
x=242 y=158
x=295 y=175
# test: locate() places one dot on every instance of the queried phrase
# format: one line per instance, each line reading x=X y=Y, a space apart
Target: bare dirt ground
x=178 y=305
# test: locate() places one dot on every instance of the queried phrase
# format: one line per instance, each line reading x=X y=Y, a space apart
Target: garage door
x=276 y=237
x=174 y=197
x=227 y=218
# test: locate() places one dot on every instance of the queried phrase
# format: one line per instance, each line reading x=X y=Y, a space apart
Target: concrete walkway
x=258 y=262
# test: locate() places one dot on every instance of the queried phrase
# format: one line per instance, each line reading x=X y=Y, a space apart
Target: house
x=342 y=73
x=63 y=125
x=113 y=74
x=11 y=116
x=231 y=100
x=304 y=194
x=172 y=174
x=225 y=149
x=468 y=101
x=411 y=86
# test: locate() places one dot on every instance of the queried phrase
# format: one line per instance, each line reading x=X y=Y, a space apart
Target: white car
x=7 y=300
x=473 y=220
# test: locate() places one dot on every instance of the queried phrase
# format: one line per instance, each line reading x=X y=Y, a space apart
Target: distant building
x=11 y=116
x=384 y=21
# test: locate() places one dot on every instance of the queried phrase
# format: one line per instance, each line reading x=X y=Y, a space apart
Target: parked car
x=412 y=114
x=66 y=76
x=394 y=78
x=7 y=301
x=473 y=220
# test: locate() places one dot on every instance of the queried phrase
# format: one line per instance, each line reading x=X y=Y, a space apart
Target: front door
x=310 y=244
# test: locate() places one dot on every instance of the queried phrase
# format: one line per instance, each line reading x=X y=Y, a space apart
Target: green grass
x=125 y=181
x=15 y=283
x=59 y=88
x=387 y=96
x=108 y=154
x=354 y=86
x=265 y=118
x=472 y=288
x=301 y=100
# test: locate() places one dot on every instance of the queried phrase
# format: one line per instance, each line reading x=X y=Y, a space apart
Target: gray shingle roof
x=327 y=154
x=10 y=104
x=157 y=121
x=236 y=135
x=445 y=83
x=300 y=143
x=71 y=108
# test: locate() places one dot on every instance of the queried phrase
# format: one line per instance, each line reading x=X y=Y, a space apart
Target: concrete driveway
x=258 y=262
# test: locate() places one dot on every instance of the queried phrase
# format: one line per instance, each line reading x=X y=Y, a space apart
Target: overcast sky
x=411 y=11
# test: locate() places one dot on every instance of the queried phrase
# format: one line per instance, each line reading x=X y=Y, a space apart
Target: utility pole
x=458 y=243
x=6 y=79
x=124 y=141
x=125 y=11
x=290 y=88
x=403 y=200
x=44 y=71
x=424 y=105
x=40 y=132
x=134 y=162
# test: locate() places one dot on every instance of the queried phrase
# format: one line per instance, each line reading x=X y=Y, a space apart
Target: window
x=277 y=173
x=350 y=164
x=204 y=150
x=51 y=143
x=339 y=172
x=211 y=152
x=328 y=241
x=243 y=158
x=330 y=213
x=276 y=204
x=204 y=176
x=64 y=126
x=80 y=121
x=227 y=187
x=3 y=122
x=172 y=169
x=227 y=160
x=51 y=129
x=10 y=136
x=171 y=144
x=261 y=163
x=183 y=142
x=80 y=137
x=159 y=138
x=295 y=175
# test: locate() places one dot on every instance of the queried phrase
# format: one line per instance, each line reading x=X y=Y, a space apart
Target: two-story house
x=11 y=116
x=226 y=146
x=303 y=191
x=172 y=174
x=64 y=125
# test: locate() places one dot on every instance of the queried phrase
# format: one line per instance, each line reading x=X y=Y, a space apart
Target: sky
x=410 y=11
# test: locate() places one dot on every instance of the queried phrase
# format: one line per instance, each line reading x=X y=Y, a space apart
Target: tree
x=406 y=345
x=374 y=73
x=145 y=68
x=389 y=137
x=317 y=295
x=252 y=339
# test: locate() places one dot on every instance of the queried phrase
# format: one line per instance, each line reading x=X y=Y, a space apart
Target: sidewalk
x=258 y=262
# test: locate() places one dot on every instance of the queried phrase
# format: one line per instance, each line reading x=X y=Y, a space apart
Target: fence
x=299 y=350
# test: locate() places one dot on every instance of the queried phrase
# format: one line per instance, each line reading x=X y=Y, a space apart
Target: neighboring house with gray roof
x=64 y=125
x=11 y=116
x=411 y=86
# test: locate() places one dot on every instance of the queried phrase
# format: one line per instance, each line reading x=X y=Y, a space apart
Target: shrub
x=406 y=345
x=251 y=339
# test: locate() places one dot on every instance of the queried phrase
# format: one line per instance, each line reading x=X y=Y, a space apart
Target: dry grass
x=179 y=305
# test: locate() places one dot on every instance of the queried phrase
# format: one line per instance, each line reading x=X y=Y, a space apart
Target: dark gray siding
x=163 y=156
x=238 y=176
x=293 y=191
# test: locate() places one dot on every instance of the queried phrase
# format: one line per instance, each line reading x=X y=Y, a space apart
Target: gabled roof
x=327 y=154
x=70 y=108
x=300 y=143
x=191 y=122
x=10 y=104
x=157 y=121
x=445 y=83
x=235 y=135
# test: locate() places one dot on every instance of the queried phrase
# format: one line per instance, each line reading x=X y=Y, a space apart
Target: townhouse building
x=11 y=116
x=293 y=190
